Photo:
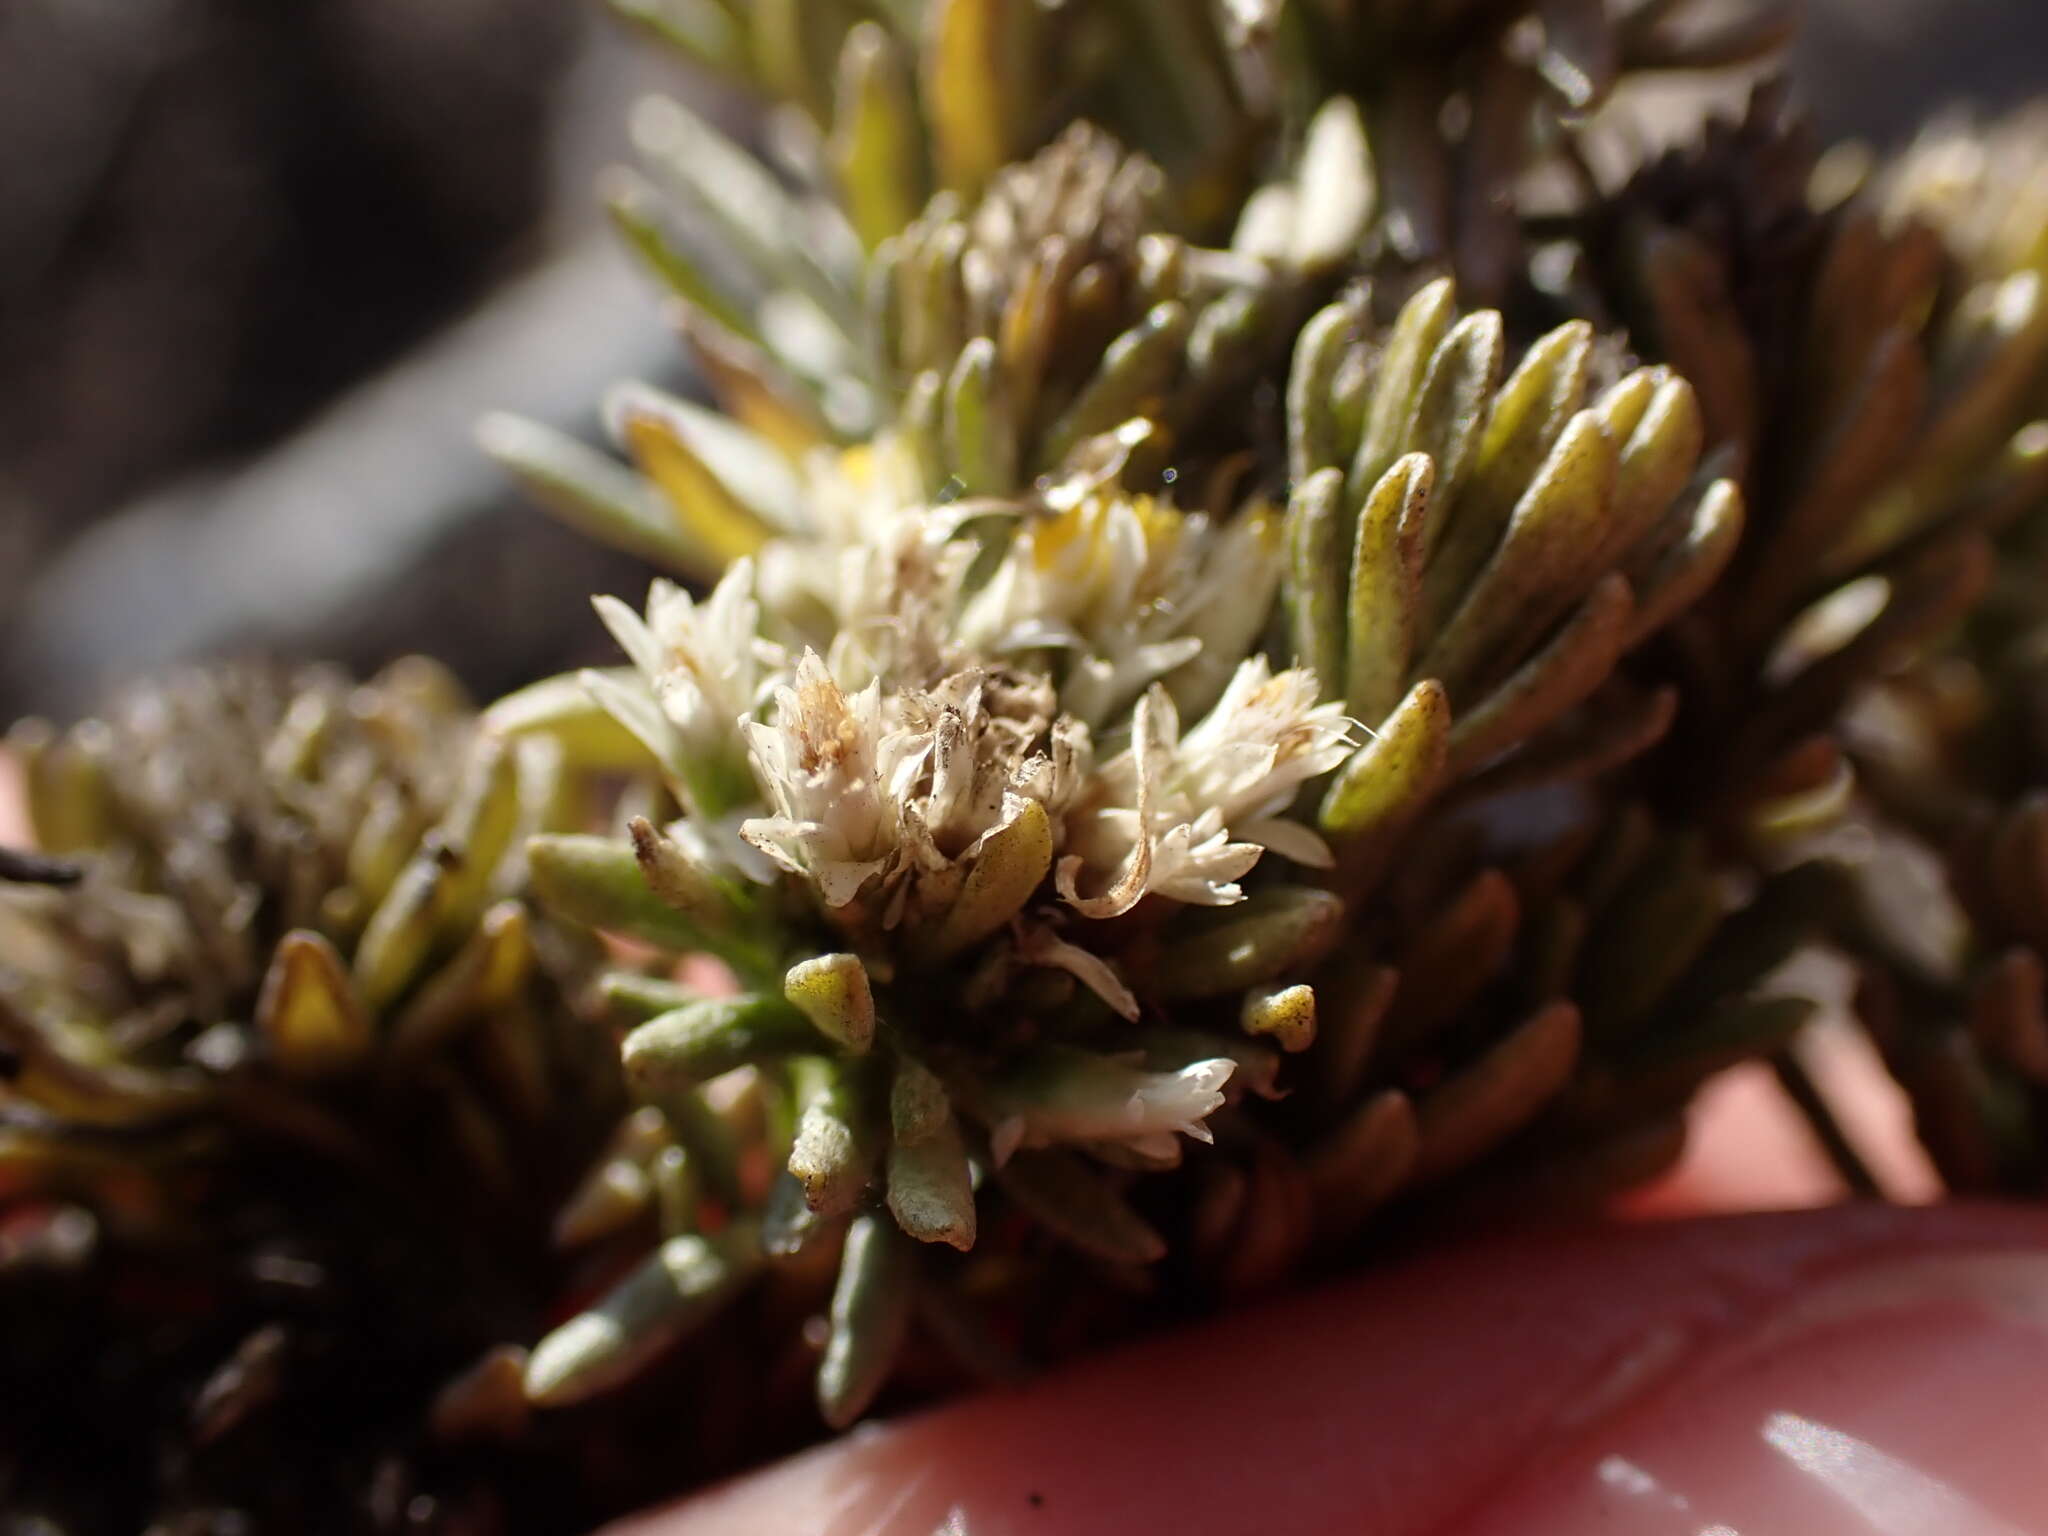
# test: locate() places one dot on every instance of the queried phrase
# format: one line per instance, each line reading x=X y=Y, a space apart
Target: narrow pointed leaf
x=487 y=973
x=1271 y=932
x=1527 y=415
x=713 y=513
x=871 y=1306
x=1136 y=372
x=681 y=1286
x=1313 y=583
x=1562 y=674
x=1315 y=441
x=562 y=710
x=708 y=1038
x=308 y=1010
x=595 y=494
x=981 y=435
x=597 y=881
x=1403 y=368
x=1076 y=1203
x=877 y=142
x=1386 y=587
x=1011 y=865
x=1498 y=1094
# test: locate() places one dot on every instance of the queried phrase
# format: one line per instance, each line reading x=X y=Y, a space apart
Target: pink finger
x=1721 y=1373
x=1748 y=1149
x=13 y=807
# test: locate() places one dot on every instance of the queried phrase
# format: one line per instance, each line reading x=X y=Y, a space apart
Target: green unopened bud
x=832 y=991
x=1287 y=1015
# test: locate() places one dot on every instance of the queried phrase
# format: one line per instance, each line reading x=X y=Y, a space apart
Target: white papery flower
x=1064 y=1095
x=1121 y=582
x=854 y=500
x=895 y=601
x=703 y=667
x=1266 y=737
x=894 y=792
x=823 y=763
x=1188 y=816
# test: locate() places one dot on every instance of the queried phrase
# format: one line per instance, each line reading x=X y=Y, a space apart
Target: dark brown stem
x=1827 y=1129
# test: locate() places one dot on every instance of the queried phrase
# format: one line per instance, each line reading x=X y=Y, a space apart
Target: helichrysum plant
x=1298 y=632
x=293 y=1088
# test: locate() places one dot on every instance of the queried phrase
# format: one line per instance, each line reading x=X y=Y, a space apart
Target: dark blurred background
x=262 y=262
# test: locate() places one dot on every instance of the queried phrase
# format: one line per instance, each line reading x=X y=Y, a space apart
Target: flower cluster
x=1226 y=654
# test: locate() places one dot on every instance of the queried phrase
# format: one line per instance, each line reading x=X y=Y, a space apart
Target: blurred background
x=264 y=262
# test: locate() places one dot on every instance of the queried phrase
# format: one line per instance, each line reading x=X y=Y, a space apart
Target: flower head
x=1070 y=1096
x=821 y=762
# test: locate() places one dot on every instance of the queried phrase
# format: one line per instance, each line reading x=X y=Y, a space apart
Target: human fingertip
x=1522 y=1383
